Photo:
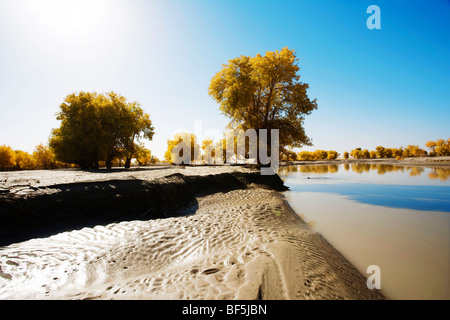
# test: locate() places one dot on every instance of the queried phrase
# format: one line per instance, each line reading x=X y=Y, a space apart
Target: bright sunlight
x=70 y=26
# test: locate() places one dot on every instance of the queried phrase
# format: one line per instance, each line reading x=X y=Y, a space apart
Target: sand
x=240 y=244
x=41 y=178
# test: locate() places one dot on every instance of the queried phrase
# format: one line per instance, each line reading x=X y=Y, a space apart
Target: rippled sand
x=243 y=244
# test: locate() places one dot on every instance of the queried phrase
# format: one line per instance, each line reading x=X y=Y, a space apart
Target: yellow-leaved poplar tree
x=265 y=92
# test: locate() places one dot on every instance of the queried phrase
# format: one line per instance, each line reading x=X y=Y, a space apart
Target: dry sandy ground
x=41 y=178
x=242 y=244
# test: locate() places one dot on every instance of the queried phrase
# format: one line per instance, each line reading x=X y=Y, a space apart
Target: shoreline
x=240 y=242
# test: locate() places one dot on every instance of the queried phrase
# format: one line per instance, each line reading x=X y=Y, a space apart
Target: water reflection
x=440 y=173
x=375 y=184
x=314 y=168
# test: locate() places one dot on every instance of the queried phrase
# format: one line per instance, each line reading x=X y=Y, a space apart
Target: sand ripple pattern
x=243 y=244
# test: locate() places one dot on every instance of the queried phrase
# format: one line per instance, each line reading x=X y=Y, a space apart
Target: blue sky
x=374 y=87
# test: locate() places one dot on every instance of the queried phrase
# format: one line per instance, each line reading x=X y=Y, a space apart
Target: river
x=394 y=217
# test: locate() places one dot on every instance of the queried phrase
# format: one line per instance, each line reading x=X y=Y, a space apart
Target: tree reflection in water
x=441 y=173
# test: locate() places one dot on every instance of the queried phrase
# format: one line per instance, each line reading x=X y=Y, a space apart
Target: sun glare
x=74 y=27
x=72 y=18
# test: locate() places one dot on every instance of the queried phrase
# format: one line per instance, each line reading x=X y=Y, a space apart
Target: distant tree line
x=438 y=148
x=317 y=155
x=44 y=158
x=41 y=158
x=381 y=152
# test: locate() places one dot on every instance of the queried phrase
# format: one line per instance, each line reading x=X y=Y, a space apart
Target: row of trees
x=202 y=152
x=41 y=158
x=317 y=155
x=260 y=92
x=44 y=158
x=440 y=147
x=207 y=151
x=263 y=92
x=382 y=152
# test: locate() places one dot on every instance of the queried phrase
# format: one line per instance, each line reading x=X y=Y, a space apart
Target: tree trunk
x=128 y=162
x=258 y=160
x=109 y=162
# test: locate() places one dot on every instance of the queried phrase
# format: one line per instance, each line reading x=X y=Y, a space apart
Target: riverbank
x=229 y=235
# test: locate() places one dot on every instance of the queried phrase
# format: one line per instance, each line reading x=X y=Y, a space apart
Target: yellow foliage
x=365 y=154
x=44 y=158
x=442 y=147
x=183 y=141
x=356 y=153
x=265 y=92
x=143 y=155
x=317 y=155
x=7 y=158
x=24 y=160
x=382 y=152
x=98 y=127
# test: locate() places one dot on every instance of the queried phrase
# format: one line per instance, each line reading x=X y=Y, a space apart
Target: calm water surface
x=395 y=217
